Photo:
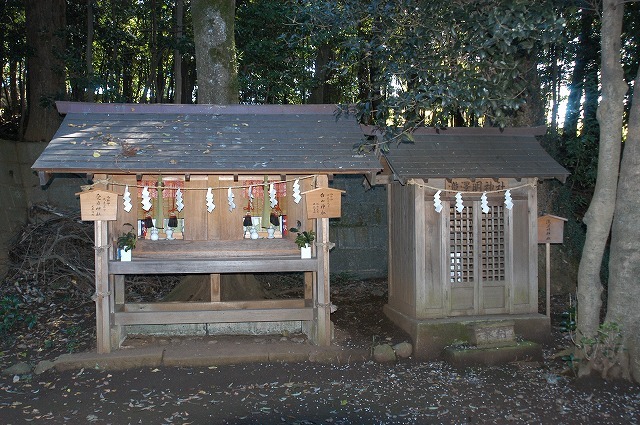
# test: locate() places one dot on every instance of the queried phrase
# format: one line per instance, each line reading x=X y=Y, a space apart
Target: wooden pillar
x=102 y=287
x=214 y=280
x=308 y=285
x=116 y=298
x=323 y=294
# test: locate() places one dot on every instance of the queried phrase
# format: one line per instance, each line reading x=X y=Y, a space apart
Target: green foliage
x=425 y=64
x=602 y=351
x=127 y=240
x=73 y=343
x=270 y=70
x=304 y=238
x=12 y=315
x=568 y=323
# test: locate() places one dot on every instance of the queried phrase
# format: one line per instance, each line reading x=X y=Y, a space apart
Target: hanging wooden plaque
x=98 y=204
x=323 y=202
x=550 y=229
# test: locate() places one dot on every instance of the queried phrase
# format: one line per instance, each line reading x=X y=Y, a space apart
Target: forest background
x=569 y=65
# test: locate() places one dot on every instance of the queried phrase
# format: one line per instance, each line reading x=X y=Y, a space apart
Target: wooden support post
x=548 y=273
x=214 y=279
x=116 y=298
x=308 y=285
x=103 y=316
x=323 y=294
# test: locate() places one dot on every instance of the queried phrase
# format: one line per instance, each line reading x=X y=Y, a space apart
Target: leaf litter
x=405 y=392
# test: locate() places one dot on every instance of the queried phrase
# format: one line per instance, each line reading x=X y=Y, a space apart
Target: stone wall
x=361 y=233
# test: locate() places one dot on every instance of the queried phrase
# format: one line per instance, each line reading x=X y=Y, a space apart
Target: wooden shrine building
x=463 y=233
x=195 y=182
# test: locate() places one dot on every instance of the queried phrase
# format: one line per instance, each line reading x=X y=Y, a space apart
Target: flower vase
x=125 y=253
x=169 y=233
x=271 y=232
x=305 y=251
x=154 y=234
x=254 y=233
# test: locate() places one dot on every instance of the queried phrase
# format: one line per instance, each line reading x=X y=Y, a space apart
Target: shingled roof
x=204 y=139
x=474 y=153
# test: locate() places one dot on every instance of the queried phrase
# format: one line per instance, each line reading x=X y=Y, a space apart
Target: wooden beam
x=44 y=177
x=177 y=306
x=203 y=266
x=223 y=316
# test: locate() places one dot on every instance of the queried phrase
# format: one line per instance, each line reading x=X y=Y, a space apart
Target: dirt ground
x=406 y=392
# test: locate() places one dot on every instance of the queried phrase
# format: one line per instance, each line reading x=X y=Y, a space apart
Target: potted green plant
x=303 y=240
x=126 y=243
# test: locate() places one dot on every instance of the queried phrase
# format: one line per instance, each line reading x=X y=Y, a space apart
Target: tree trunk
x=213 y=28
x=586 y=53
x=324 y=91
x=624 y=263
x=154 y=60
x=46 y=76
x=600 y=213
x=89 y=91
x=177 y=54
x=555 y=78
x=532 y=112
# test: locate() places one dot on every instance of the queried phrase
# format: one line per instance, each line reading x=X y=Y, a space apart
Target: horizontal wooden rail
x=219 y=265
x=163 y=306
x=222 y=316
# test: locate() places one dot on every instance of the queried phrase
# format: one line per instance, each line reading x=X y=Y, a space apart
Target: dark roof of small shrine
x=474 y=153
x=205 y=139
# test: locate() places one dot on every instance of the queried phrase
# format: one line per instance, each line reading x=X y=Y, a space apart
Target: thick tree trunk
x=213 y=28
x=324 y=91
x=46 y=76
x=532 y=112
x=624 y=263
x=600 y=213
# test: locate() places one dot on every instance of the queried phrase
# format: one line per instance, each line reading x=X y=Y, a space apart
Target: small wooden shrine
x=207 y=189
x=463 y=232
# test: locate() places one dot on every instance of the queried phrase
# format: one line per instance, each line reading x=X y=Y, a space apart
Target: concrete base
x=431 y=336
x=465 y=357
x=249 y=328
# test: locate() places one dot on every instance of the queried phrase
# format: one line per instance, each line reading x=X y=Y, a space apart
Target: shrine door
x=478 y=260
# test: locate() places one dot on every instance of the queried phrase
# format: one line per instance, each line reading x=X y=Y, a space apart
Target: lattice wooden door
x=477 y=255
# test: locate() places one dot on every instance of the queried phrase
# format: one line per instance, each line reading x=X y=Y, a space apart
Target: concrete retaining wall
x=361 y=233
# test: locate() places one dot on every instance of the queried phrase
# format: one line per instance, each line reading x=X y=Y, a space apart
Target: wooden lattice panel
x=493 y=244
x=461 y=245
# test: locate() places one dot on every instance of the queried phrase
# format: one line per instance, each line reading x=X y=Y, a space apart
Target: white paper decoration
x=210 y=205
x=484 y=203
x=146 y=199
x=437 y=203
x=126 y=199
x=296 y=191
x=179 y=200
x=230 y=197
x=272 y=196
x=459 y=203
x=508 y=203
x=251 y=197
